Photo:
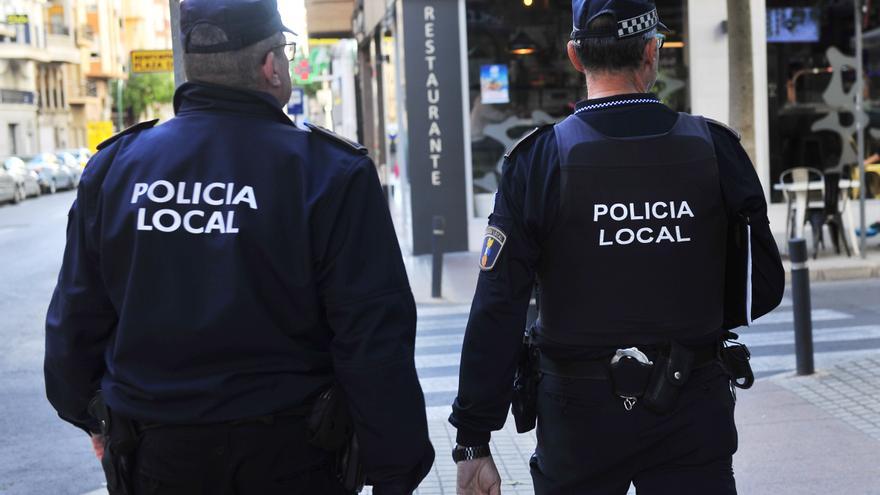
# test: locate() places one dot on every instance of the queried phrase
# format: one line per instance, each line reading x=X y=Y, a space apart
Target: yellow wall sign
x=17 y=19
x=145 y=61
x=97 y=133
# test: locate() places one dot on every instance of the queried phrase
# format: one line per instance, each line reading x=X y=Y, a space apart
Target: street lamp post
x=176 y=45
x=860 y=130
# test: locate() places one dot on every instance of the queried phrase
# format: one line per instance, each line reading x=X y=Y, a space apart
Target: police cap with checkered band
x=244 y=22
x=632 y=17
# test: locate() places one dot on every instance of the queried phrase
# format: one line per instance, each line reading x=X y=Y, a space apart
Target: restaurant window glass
x=812 y=84
x=520 y=76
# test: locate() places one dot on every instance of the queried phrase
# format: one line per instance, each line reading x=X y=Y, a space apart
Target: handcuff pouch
x=671 y=371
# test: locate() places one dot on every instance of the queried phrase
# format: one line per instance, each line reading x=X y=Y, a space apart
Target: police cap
x=632 y=17
x=244 y=22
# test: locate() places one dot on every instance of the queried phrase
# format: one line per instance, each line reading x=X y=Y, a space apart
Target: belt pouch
x=735 y=359
x=671 y=372
x=630 y=377
x=120 y=443
x=329 y=425
x=524 y=404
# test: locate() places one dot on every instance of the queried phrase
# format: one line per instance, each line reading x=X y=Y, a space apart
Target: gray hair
x=612 y=54
x=237 y=69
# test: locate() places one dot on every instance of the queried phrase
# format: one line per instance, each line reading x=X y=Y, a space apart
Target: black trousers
x=251 y=458
x=588 y=444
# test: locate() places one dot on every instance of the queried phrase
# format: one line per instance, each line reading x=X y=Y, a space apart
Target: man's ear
x=269 y=72
x=651 y=53
x=573 y=56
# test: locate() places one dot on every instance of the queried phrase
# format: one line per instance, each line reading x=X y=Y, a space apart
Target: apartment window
x=13 y=138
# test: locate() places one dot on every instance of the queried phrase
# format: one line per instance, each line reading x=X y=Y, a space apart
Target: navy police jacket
x=522 y=242
x=228 y=265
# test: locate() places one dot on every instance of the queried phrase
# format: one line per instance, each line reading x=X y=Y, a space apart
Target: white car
x=27 y=181
x=8 y=189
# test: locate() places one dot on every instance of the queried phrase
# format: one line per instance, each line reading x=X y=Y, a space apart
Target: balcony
x=85 y=36
x=62 y=48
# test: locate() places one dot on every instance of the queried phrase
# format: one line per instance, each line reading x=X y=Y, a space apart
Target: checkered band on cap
x=636 y=25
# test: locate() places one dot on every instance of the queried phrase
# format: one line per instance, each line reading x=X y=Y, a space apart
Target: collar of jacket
x=203 y=97
x=615 y=101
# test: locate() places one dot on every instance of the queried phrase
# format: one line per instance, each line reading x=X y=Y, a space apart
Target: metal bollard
x=439 y=227
x=803 y=318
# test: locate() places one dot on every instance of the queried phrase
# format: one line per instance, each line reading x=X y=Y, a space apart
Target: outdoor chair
x=830 y=215
x=800 y=177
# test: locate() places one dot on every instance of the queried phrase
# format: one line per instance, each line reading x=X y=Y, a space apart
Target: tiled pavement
x=847 y=388
x=848 y=391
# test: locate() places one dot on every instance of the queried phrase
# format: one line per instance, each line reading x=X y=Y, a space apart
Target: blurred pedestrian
x=226 y=272
x=646 y=232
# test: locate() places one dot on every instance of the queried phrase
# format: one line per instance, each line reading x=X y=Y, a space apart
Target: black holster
x=120 y=443
x=525 y=386
x=672 y=369
x=735 y=361
x=330 y=428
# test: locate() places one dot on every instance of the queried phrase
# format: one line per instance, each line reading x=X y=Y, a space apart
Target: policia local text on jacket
x=627 y=249
x=227 y=265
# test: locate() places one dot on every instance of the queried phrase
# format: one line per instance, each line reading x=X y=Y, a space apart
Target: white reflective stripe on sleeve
x=749 y=276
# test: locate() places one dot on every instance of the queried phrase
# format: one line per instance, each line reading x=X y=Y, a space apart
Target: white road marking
x=437 y=360
x=448 y=324
x=423 y=342
x=443 y=310
x=779 y=317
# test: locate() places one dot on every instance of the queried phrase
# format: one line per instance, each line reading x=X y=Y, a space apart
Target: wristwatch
x=460 y=453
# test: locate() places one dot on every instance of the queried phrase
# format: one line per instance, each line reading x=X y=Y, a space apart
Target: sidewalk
x=460 y=271
x=797 y=436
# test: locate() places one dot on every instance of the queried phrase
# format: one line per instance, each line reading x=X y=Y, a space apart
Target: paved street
x=846 y=324
x=846 y=319
x=40 y=454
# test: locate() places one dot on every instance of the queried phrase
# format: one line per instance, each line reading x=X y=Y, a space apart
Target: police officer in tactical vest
x=233 y=314
x=647 y=235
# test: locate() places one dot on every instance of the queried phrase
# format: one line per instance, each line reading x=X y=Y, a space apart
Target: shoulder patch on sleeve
x=131 y=130
x=353 y=146
x=492 y=246
x=527 y=138
x=724 y=126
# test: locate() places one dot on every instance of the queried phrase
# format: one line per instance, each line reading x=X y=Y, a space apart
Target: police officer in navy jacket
x=224 y=269
x=638 y=225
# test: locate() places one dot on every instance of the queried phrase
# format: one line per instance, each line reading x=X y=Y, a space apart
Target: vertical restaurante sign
x=435 y=120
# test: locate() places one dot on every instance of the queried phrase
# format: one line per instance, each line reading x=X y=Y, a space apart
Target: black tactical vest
x=637 y=255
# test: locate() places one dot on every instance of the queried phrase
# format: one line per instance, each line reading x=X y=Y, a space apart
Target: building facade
x=446 y=86
x=102 y=64
x=38 y=58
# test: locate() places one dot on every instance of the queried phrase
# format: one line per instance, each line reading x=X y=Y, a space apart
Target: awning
x=329 y=18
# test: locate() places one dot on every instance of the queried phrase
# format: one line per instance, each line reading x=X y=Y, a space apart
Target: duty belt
x=598 y=369
x=268 y=419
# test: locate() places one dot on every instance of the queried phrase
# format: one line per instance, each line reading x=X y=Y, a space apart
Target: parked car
x=81 y=154
x=52 y=175
x=27 y=181
x=73 y=166
x=8 y=189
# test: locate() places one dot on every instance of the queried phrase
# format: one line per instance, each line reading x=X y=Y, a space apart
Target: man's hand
x=98 y=445
x=478 y=477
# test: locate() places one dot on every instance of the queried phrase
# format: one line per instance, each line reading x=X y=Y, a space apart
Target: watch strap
x=460 y=453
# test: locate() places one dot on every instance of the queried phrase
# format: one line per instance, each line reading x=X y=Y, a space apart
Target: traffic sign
x=297 y=102
x=17 y=19
x=147 y=61
x=98 y=132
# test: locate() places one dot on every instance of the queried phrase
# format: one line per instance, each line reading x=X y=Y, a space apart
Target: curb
x=864 y=271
